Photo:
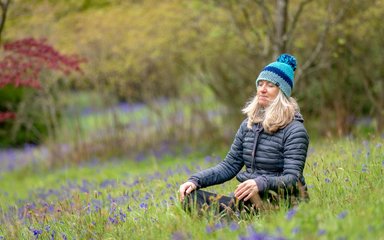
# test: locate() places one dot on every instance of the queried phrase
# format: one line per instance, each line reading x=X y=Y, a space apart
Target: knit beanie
x=280 y=73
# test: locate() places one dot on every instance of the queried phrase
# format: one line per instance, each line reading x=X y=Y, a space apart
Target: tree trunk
x=280 y=44
x=380 y=121
x=4 y=9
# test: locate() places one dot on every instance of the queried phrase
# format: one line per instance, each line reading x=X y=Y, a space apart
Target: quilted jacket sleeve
x=225 y=170
x=296 y=143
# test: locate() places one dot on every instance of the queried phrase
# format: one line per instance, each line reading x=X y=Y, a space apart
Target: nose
x=263 y=87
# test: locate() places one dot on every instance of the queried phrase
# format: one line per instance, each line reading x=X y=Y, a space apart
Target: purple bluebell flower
x=178 y=236
x=292 y=212
x=208 y=159
x=327 y=180
x=113 y=220
x=36 y=232
x=208 y=229
x=364 y=168
x=295 y=230
x=53 y=233
x=218 y=226
x=233 y=226
x=187 y=170
x=342 y=215
x=107 y=182
x=97 y=204
x=64 y=236
x=140 y=157
x=147 y=196
x=143 y=205
x=321 y=232
x=123 y=216
x=253 y=235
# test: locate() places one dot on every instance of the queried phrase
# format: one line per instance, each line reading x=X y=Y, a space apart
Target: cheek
x=274 y=92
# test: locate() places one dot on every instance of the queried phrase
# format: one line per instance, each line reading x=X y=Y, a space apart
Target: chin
x=263 y=104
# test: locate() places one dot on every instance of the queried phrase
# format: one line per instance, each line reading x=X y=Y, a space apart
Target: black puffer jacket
x=274 y=161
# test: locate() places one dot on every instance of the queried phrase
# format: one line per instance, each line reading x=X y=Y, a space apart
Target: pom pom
x=287 y=59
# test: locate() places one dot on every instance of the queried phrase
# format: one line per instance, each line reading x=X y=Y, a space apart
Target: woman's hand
x=185 y=189
x=247 y=190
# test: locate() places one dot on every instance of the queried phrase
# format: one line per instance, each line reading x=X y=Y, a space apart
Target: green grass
x=123 y=199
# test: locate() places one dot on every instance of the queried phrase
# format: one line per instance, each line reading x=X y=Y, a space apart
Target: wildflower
x=218 y=226
x=327 y=180
x=178 y=236
x=107 y=183
x=208 y=159
x=364 y=168
x=208 y=229
x=36 y=232
x=143 y=205
x=64 y=236
x=292 y=212
x=255 y=235
x=113 y=220
x=147 y=196
x=233 y=226
x=123 y=216
x=342 y=215
x=321 y=232
x=295 y=230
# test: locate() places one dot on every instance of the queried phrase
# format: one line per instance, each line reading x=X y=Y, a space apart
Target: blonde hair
x=277 y=115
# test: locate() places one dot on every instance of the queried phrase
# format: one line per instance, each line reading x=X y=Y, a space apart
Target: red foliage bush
x=24 y=61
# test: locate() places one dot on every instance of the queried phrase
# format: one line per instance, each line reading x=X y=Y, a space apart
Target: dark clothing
x=275 y=161
x=205 y=201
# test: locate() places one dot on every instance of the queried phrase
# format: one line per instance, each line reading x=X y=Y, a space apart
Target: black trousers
x=207 y=201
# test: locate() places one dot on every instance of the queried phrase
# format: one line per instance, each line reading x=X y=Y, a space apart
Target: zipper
x=258 y=130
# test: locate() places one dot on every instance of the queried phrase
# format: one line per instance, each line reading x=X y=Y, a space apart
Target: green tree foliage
x=139 y=50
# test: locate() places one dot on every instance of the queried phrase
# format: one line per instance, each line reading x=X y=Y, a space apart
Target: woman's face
x=266 y=92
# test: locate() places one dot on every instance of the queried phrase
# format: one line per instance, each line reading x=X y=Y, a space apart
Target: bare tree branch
x=240 y=26
x=296 y=17
x=328 y=23
x=245 y=25
x=267 y=19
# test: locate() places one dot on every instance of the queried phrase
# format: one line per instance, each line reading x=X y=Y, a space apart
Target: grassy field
x=128 y=199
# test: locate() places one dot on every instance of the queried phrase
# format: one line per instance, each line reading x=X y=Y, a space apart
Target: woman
x=271 y=143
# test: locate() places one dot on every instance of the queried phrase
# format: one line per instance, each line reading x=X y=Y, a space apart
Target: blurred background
x=93 y=80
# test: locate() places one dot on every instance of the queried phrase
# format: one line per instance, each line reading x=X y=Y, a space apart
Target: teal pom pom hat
x=280 y=73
